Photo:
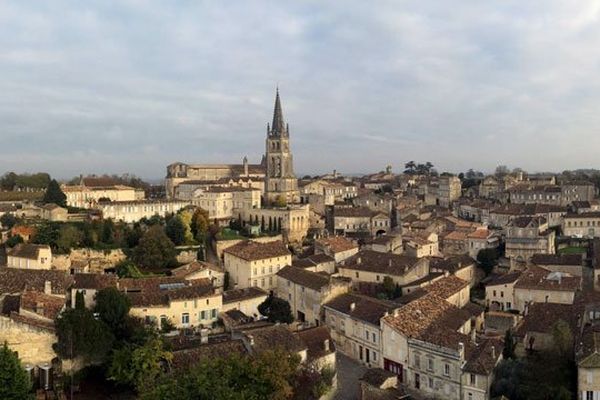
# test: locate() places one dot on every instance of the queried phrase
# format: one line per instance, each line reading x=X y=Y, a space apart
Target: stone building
x=30 y=256
x=526 y=236
x=91 y=190
x=252 y=263
x=133 y=211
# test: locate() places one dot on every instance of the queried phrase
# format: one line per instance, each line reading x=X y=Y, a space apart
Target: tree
x=509 y=346
x=14 y=240
x=487 y=258
x=199 y=224
x=14 y=381
x=410 y=167
x=127 y=269
x=8 y=181
x=501 y=170
x=562 y=339
x=69 y=237
x=79 y=334
x=280 y=201
x=175 y=230
x=46 y=233
x=108 y=231
x=155 y=249
x=8 y=221
x=79 y=300
x=276 y=310
x=391 y=290
x=186 y=219
x=139 y=366
x=54 y=194
x=267 y=375
x=112 y=306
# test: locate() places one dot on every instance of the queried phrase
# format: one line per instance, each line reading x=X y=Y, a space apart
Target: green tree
x=108 y=231
x=562 y=339
x=79 y=334
x=54 y=194
x=127 y=269
x=267 y=375
x=199 y=224
x=155 y=249
x=509 y=346
x=112 y=306
x=8 y=221
x=186 y=219
x=79 y=300
x=139 y=366
x=69 y=237
x=14 y=240
x=487 y=259
x=276 y=310
x=14 y=381
x=175 y=230
x=47 y=233
x=280 y=201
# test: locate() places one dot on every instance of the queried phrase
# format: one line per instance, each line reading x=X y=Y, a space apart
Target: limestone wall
x=33 y=345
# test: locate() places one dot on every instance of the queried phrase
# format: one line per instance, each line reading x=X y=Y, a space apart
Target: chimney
x=251 y=340
x=48 y=287
x=352 y=306
x=204 y=336
x=461 y=350
x=326 y=344
x=396 y=312
x=446 y=274
x=390 y=263
x=358 y=260
x=493 y=352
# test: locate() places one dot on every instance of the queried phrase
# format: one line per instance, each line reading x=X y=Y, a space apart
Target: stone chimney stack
x=48 y=287
x=352 y=306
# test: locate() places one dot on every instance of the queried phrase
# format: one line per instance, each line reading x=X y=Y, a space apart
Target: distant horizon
x=95 y=86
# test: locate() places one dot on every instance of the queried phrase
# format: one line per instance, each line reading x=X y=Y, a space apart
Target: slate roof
x=354 y=212
x=504 y=279
x=251 y=251
x=366 y=309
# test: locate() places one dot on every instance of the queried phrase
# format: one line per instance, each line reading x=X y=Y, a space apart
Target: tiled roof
x=484 y=357
x=318 y=342
x=541 y=317
x=303 y=277
x=337 y=244
x=94 y=281
x=384 y=263
x=193 y=267
x=46 y=305
x=274 y=337
x=14 y=280
x=160 y=291
x=452 y=263
x=184 y=359
x=557 y=259
x=27 y=250
x=446 y=287
x=591 y=214
x=535 y=277
x=354 y=212
x=365 y=309
x=504 y=279
x=235 y=295
x=252 y=251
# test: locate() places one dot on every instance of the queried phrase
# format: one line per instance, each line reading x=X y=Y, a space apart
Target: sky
x=132 y=86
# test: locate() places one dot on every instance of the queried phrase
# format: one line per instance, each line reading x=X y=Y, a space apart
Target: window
x=430 y=364
x=357 y=274
x=377 y=278
x=470 y=396
x=374 y=338
x=447 y=369
x=185 y=318
x=494 y=293
x=431 y=382
x=473 y=379
x=417 y=361
x=213 y=313
x=202 y=315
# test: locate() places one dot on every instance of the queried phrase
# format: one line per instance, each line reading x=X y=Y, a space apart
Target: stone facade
x=33 y=344
x=133 y=211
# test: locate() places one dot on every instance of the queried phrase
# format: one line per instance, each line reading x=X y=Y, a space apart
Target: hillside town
x=408 y=283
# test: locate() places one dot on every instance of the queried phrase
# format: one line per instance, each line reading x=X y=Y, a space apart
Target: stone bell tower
x=281 y=185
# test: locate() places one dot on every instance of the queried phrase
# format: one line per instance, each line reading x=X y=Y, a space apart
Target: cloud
x=107 y=86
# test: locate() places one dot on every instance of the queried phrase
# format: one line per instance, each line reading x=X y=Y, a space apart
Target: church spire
x=278 y=126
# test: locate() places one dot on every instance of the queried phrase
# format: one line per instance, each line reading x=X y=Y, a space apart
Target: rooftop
x=251 y=251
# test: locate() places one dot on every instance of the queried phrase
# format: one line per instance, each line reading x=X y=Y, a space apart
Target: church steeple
x=278 y=126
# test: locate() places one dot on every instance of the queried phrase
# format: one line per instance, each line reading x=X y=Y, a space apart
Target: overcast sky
x=131 y=86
